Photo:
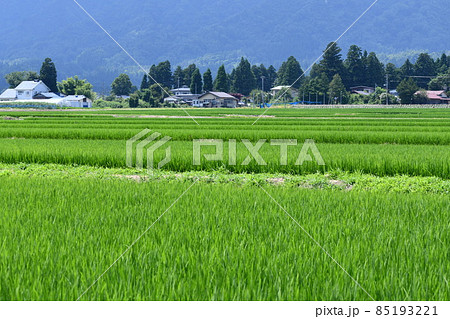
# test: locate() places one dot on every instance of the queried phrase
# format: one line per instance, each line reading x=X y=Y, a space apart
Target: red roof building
x=436 y=97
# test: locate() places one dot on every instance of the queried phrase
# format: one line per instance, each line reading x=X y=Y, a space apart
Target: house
x=28 y=89
x=182 y=99
x=75 y=101
x=181 y=91
x=436 y=97
x=216 y=99
x=8 y=95
x=362 y=90
x=46 y=96
x=292 y=91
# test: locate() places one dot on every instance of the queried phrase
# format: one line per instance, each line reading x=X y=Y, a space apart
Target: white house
x=9 y=95
x=216 y=99
x=292 y=91
x=28 y=89
x=181 y=91
x=75 y=101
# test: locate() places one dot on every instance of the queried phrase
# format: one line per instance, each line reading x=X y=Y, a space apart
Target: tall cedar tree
x=207 y=81
x=289 y=72
x=375 y=71
x=425 y=66
x=355 y=66
x=188 y=74
x=48 y=75
x=331 y=62
x=145 y=84
x=178 y=77
x=407 y=69
x=406 y=90
x=244 y=80
x=271 y=77
x=221 y=82
x=196 y=82
x=161 y=73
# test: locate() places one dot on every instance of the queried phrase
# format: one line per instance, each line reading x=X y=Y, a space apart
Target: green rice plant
x=218 y=242
x=381 y=160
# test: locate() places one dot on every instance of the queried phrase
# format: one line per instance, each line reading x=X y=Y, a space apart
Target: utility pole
x=387 y=89
x=340 y=98
x=317 y=101
x=262 y=89
x=303 y=102
x=178 y=82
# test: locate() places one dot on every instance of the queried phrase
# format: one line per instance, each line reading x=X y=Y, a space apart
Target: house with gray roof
x=27 y=90
x=217 y=99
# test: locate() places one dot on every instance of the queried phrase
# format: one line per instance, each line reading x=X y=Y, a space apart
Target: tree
x=424 y=66
x=133 y=101
x=406 y=90
x=221 y=81
x=145 y=84
x=331 y=62
x=271 y=77
x=121 y=85
x=75 y=86
x=244 y=80
x=15 y=78
x=337 y=90
x=48 y=75
x=290 y=72
x=178 y=77
x=162 y=74
x=355 y=66
x=441 y=82
x=188 y=73
x=407 y=69
x=375 y=70
x=394 y=75
x=196 y=82
x=207 y=81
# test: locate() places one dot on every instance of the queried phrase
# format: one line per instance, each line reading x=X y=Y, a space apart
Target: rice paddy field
x=380 y=206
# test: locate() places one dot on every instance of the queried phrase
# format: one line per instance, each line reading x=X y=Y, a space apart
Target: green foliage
x=121 y=85
x=162 y=74
x=221 y=83
x=244 y=80
x=375 y=71
x=406 y=90
x=145 y=83
x=133 y=101
x=15 y=78
x=207 y=81
x=48 y=75
x=76 y=86
x=290 y=72
x=336 y=91
x=332 y=62
x=196 y=82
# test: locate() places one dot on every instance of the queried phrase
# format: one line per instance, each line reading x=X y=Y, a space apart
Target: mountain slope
x=205 y=32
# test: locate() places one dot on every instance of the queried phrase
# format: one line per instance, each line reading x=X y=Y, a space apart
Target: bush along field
x=225 y=231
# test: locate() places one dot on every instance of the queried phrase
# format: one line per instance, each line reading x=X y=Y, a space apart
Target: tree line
x=332 y=77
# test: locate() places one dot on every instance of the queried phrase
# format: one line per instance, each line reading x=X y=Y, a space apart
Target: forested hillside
x=208 y=33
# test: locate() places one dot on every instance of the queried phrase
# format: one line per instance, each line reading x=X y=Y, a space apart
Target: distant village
x=333 y=80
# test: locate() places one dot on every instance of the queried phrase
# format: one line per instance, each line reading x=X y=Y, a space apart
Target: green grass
x=219 y=242
x=380 y=206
